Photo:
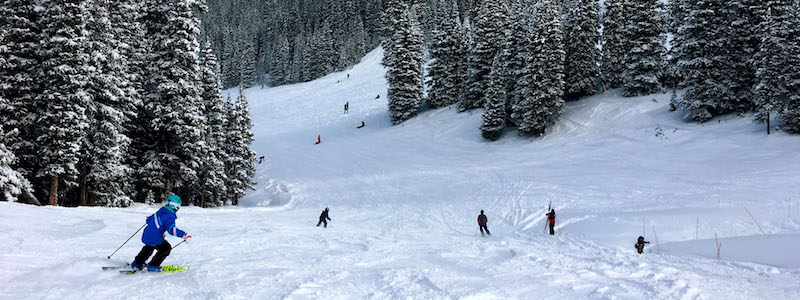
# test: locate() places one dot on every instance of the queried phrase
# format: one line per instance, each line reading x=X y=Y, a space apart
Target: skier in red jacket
x=319 y=139
x=482 y=220
x=551 y=218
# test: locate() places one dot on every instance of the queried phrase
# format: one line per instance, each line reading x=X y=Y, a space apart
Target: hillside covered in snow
x=404 y=201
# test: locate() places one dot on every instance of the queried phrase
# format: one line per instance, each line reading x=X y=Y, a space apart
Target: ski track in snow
x=404 y=202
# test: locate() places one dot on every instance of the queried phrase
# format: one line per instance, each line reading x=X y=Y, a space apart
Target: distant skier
x=158 y=224
x=378 y=96
x=640 y=244
x=323 y=218
x=319 y=139
x=260 y=159
x=482 y=220
x=347 y=107
x=362 y=125
x=551 y=218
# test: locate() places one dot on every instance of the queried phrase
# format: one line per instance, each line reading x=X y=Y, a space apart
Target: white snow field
x=404 y=202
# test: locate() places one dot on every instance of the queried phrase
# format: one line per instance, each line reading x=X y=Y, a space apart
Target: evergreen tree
x=248 y=65
x=242 y=158
x=644 y=62
x=446 y=52
x=518 y=63
x=581 y=38
x=64 y=99
x=778 y=65
x=282 y=71
x=12 y=183
x=489 y=37
x=546 y=103
x=495 y=102
x=615 y=45
x=174 y=103
x=213 y=177
x=405 y=69
x=104 y=176
x=467 y=43
x=711 y=61
x=19 y=80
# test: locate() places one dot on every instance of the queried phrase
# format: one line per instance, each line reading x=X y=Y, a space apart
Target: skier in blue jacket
x=158 y=224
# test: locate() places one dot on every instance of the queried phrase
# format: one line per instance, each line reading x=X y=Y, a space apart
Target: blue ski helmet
x=173 y=203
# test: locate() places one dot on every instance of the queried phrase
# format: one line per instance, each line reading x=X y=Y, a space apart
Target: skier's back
x=323 y=218
x=482 y=220
x=640 y=244
x=159 y=224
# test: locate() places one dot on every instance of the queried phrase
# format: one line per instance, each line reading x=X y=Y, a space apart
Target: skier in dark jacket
x=640 y=244
x=159 y=224
x=482 y=220
x=551 y=218
x=323 y=218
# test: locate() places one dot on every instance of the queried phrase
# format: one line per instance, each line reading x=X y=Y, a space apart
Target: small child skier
x=323 y=218
x=482 y=220
x=158 y=224
x=640 y=244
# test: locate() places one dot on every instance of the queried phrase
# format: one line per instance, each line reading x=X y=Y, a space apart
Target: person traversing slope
x=347 y=107
x=159 y=224
x=482 y=220
x=551 y=218
x=319 y=139
x=323 y=218
x=362 y=125
x=640 y=244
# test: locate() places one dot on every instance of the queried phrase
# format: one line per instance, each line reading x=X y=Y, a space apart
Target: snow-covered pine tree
x=104 y=178
x=495 y=101
x=444 y=79
x=644 y=61
x=615 y=45
x=546 y=102
x=391 y=13
x=675 y=17
x=174 y=102
x=581 y=37
x=712 y=60
x=518 y=65
x=467 y=43
x=324 y=54
x=213 y=178
x=64 y=99
x=248 y=64
x=242 y=157
x=489 y=35
x=282 y=71
x=12 y=183
x=778 y=66
x=18 y=80
x=405 y=68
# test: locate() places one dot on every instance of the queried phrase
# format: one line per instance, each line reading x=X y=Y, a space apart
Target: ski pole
x=126 y=241
x=178 y=244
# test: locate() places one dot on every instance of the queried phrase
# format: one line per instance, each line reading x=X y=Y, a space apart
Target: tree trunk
x=166 y=188
x=203 y=199
x=53 y=190
x=235 y=200
x=83 y=193
x=767 y=123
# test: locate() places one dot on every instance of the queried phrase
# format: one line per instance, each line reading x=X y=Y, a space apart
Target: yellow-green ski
x=164 y=269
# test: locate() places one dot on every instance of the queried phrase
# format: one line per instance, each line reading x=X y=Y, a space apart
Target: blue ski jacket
x=158 y=224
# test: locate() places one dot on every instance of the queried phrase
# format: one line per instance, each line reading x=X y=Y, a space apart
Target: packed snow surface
x=404 y=202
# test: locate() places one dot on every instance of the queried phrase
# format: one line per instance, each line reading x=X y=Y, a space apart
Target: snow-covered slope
x=404 y=201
